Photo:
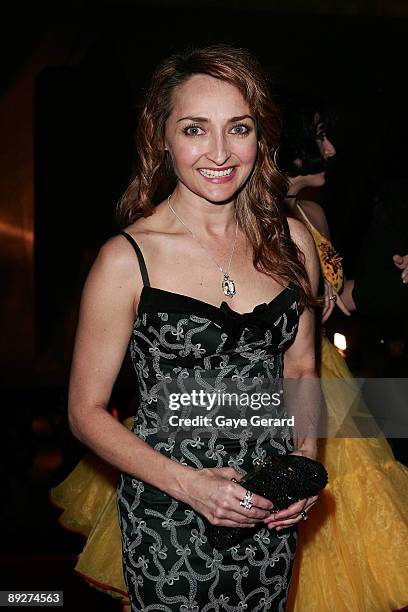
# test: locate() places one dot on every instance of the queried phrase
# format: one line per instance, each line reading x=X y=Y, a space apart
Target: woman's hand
x=332 y=299
x=211 y=492
x=291 y=515
x=295 y=512
x=402 y=263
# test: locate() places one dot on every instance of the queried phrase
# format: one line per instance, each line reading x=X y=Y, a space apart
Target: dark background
x=95 y=59
x=71 y=82
x=85 y=117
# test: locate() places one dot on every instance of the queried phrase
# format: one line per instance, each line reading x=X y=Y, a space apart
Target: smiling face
x=211 y=137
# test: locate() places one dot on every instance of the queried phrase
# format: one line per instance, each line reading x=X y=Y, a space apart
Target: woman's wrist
x=175 y=479
x=308 y=449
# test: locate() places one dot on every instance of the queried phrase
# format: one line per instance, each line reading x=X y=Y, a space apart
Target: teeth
x=215 y=173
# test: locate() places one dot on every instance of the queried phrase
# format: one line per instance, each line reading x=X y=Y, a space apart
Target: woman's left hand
x=331 y=299
x=295 y=512
x=291 y=515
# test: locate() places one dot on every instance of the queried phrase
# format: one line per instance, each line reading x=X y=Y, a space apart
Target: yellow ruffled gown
x=353 y=550
x=88 y=499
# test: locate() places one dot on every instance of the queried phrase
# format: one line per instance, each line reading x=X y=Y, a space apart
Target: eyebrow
x=205 y=120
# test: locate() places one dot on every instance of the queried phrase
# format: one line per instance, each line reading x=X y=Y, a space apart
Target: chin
x=219 y=197
x=220 y=193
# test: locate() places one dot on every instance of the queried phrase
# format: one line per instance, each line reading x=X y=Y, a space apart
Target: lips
x=210 y=173
x=220 y=175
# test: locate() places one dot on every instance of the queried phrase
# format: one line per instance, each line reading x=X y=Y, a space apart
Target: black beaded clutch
x=284 y=479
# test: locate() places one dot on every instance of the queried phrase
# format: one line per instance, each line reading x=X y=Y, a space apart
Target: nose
x=218 y=151
x=328 y=148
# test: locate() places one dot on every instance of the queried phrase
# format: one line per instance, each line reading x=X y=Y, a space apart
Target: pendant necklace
x=227 y=284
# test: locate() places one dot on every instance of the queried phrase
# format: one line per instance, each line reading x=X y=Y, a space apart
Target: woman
x=204 y=217
x=345 y=564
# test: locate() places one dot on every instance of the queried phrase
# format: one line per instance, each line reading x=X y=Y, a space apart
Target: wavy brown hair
x=258 y=205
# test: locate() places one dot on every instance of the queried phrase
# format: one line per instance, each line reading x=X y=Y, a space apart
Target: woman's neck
x=298 y=187
x=203 y=215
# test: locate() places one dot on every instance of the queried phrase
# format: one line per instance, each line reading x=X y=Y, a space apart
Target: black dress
x=168 y=563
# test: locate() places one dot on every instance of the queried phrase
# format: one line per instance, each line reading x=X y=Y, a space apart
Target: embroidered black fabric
x=168 y=561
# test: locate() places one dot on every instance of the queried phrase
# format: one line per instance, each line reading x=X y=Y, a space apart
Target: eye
x=193 y=130
x=241 y=129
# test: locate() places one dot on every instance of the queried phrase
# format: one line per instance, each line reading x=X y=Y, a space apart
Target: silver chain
x=201 y=245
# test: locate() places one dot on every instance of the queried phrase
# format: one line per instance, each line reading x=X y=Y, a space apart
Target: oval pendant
x=228 y=286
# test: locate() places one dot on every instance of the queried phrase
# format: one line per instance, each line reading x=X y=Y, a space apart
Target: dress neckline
x=224 y=305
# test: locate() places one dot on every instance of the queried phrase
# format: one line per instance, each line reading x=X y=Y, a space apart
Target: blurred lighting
x=340 y=342
x=16 y=232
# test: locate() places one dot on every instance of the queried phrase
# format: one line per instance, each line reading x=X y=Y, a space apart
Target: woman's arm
x=106 y=318
x=344 y=299
x=107 y=312
x=299 y=360
x=346 y=295
x=302 y=391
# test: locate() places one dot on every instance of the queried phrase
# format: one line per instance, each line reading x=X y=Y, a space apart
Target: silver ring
x=304 y=516
x=246 y=502
x=333 y=297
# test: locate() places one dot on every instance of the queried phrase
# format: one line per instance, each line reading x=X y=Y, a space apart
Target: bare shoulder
x=115 y=273
x=118 y=251
x=149 y=231
x=301 y=236
x=117 y=255
x=316 y=215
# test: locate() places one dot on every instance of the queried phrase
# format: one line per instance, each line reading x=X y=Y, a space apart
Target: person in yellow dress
x=354 y=549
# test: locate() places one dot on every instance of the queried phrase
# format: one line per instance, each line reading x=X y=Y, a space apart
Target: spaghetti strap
x=142 y=264
x=302 y=212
